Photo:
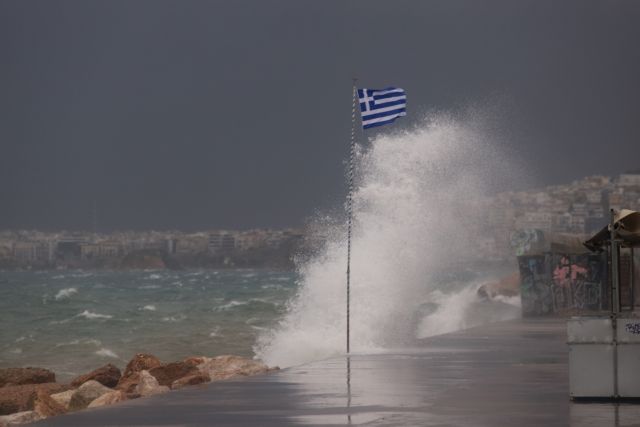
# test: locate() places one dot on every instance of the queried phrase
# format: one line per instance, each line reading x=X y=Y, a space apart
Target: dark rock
x=63 y=398
x=139 y=362
x=167 y=374
x=45 y=406
x=148 y=385
x=19 y=418
x=107 y=375
x=131 y=377
x=228 y=366
x=128 y=384
x=20 y=398
x=108 y=399
x=21 y=376
x=195 y=360
x=87 y=393
x=194 y=379
x=508 y=286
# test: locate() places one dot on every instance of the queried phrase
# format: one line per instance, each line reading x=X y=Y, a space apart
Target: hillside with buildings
x=149 y=249
x=579 y=208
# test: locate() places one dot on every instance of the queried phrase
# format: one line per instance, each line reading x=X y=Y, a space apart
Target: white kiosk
x=604 y=351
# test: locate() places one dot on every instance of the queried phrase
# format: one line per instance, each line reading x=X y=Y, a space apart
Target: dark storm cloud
x=236 y=114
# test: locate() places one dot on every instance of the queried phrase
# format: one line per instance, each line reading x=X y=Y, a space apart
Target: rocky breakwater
x=31 y=394
x=508 y=286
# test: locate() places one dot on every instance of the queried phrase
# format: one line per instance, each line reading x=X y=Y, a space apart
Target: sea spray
x=419 y=205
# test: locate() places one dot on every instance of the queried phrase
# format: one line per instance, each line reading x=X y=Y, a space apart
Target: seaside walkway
x=505 y=374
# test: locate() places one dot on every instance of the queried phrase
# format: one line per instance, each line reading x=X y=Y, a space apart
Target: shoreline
x=31 y=394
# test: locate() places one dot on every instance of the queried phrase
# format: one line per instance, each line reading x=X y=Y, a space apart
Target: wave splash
x=418 y=208
x=65 y=293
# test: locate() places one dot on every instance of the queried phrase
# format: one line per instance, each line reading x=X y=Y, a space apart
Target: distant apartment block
x=221 y=243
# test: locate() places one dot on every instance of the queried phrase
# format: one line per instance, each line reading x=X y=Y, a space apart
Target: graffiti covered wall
x=563 y=284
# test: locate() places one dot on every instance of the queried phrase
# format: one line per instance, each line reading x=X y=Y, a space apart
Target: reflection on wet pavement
x=507 y=374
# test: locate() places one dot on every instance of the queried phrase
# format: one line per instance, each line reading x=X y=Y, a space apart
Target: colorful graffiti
x=563 y=284
x=523 y=241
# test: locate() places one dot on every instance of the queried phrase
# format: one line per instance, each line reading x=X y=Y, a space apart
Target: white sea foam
x=65 y=293
x=149 y=287
x=418 y=208
x=149 y=307
x=174 y=319
x=230 y=305
x=215 y=332
x=463 y=309
x=154 y=276
x=105 y=352
x=91 y=315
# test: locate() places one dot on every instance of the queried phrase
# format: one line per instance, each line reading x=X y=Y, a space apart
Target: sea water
x=75 y=321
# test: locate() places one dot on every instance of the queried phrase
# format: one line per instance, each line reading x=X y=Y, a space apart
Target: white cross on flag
x=381 y=106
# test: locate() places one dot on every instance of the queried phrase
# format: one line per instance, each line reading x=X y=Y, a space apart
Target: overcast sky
x=204 y=114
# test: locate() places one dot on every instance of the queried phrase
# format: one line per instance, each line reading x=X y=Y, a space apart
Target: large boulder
x=131 y=376
x=508 y=286
x=228 y=366
x=148 y=385
x=170 y=372
x=87 y=393
x=139 y=362
x=63 y=398
x=20 y=398
x=108 y=376
x=45 y=406
x=194 y=379
x=21 y=376
x=108 y=399
x=20 y=418
x=129 y=384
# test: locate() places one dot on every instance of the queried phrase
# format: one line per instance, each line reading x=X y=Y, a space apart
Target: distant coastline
x=220 y=249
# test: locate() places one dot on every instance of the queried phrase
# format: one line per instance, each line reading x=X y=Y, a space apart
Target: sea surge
x=419 y=208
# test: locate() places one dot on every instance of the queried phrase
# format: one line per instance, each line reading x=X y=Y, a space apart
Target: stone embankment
x=31 y=394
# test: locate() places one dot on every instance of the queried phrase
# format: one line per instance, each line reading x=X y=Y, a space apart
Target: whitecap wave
x=174 y=319
x=65 y=293
x=91 y=315
x=105 y=352
x=230 y=305
x=149 y=307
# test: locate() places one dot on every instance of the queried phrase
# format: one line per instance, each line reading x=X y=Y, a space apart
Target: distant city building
x=100 y=250
x=221 y=243
x=629 y=179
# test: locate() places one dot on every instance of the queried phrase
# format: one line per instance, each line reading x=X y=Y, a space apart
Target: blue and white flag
x=381 y=106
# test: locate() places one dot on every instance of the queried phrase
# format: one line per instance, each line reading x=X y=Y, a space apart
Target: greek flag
x=381 y=106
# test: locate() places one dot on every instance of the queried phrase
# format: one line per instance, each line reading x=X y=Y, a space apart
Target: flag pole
x=350 y=211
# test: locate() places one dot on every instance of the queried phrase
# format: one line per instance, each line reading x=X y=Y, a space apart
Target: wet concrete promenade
x=506 y=374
